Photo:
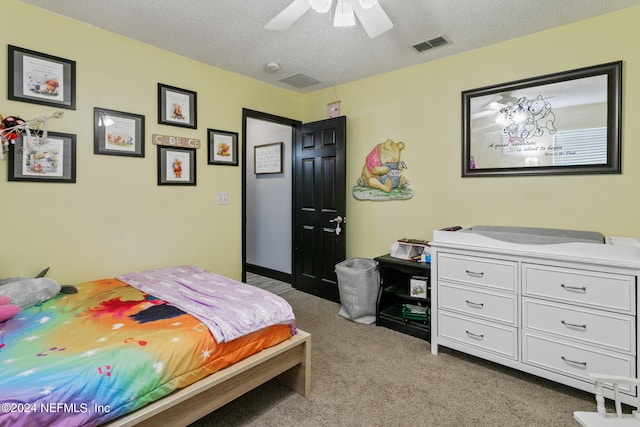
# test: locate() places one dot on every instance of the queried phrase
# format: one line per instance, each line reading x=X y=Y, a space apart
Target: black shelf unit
x=395 y=275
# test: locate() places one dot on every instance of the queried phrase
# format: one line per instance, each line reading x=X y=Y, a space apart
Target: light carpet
x=364 y=375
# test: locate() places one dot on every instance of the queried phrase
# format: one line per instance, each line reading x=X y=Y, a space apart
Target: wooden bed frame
x=289 y=362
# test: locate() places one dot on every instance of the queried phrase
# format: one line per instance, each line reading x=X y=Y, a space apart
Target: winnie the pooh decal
x=382 y=175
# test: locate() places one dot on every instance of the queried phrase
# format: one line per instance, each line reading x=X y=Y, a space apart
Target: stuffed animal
x=27 y=292
x=379 y=162
x=7 y=311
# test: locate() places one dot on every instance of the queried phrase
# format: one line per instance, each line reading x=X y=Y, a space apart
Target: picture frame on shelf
x=222 y=147
x=117 y=133
x=176 y=166
x=418 y=287
x=32 y=159
x=40 y=78
x=177 y=107
x=267 y=158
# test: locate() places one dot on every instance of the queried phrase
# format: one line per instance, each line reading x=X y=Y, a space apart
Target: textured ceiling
x=230 y=34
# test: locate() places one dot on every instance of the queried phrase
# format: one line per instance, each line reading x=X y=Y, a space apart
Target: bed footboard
x=289 y=362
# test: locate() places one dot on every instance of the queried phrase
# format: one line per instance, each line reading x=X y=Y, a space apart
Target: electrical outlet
x=222 y=198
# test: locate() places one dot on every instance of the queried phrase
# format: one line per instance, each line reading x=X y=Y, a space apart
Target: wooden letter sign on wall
x=175 y=141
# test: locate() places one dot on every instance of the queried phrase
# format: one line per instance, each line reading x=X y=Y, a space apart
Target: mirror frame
x=612 y=70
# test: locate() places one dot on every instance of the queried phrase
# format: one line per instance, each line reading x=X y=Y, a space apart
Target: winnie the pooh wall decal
x=382 y=175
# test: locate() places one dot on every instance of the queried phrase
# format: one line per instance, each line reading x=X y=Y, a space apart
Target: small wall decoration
x=333 y=109
x=222 y=147
x=267 y=158
x=382 y=176
x=12 y=127
x=43 y=159
x=175 y=141
x=176 y=166
x=118 y=133
x=177 y=107
x=39 y=78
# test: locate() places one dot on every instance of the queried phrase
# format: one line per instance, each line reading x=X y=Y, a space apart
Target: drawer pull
x=574 y=325
x=476 y=336
x=574 y=362
x=474 y=304
x=574 y=288
x=475 y=273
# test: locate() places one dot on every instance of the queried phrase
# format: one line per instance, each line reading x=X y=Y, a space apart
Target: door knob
x=338 y=220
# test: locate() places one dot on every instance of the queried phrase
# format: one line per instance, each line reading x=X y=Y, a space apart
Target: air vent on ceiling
x=300 y=81
x=430 y=44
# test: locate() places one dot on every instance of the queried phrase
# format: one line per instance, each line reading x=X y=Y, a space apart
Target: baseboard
x=267 y=272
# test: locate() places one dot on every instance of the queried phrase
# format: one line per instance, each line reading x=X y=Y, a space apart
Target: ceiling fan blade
x=374 y=20
x=288 y=16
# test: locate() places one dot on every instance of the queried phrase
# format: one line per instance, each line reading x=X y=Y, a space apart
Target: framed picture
x=418 y=287
x=39 y=78
x=562 y=123
x=177 y=107
x=118 y=133
x=222 y=147
x=176 y=166
x=36 y=160
x=267 y=158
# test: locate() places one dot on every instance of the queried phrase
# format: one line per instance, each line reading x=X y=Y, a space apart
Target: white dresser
x=556 y=310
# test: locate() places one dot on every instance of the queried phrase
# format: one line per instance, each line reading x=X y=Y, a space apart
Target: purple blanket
x=230 y=309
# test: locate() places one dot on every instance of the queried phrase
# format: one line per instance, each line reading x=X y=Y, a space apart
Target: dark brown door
x=319 y=206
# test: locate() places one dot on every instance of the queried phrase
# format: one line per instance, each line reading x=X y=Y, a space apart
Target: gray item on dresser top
x=532 y=235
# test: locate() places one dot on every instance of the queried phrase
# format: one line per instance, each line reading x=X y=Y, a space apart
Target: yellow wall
x=421 y=106
x=116 y=219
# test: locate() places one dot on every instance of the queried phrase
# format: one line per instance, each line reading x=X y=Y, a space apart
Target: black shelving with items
x=395 y=277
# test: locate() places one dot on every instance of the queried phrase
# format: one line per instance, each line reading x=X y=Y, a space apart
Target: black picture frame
x=39 y=78
x=177 y=107
x=222 y=147
x=50 y=161
x=267 y=158
x=117 y=133
x=557 y=124
x=168 y=170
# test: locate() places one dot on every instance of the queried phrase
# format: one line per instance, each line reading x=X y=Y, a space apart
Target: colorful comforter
x=86 y=358
x=230 y=309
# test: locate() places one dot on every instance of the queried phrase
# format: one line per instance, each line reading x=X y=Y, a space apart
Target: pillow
x=27 y=292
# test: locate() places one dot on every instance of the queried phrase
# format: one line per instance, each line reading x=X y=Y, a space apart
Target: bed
x=124 y=351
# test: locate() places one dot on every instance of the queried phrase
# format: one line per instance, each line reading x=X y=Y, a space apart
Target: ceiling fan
x=373 y=18
x=504 y=99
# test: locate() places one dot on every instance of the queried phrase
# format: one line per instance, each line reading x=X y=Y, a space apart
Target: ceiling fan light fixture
x=344 y=16
x=321 y=6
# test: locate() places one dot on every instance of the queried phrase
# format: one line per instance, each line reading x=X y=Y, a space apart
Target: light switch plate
x=222 y=198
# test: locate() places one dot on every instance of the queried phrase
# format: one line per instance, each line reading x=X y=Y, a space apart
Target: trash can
x=358 y=286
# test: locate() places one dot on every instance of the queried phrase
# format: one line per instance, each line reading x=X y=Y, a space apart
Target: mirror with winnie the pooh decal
x=562 y=123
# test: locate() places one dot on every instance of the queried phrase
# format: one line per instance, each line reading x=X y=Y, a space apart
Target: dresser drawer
x=500 y=340
x=493 y=306
x=574 y=360
x=583 y=287
x=488 y=272
x=600 y=328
